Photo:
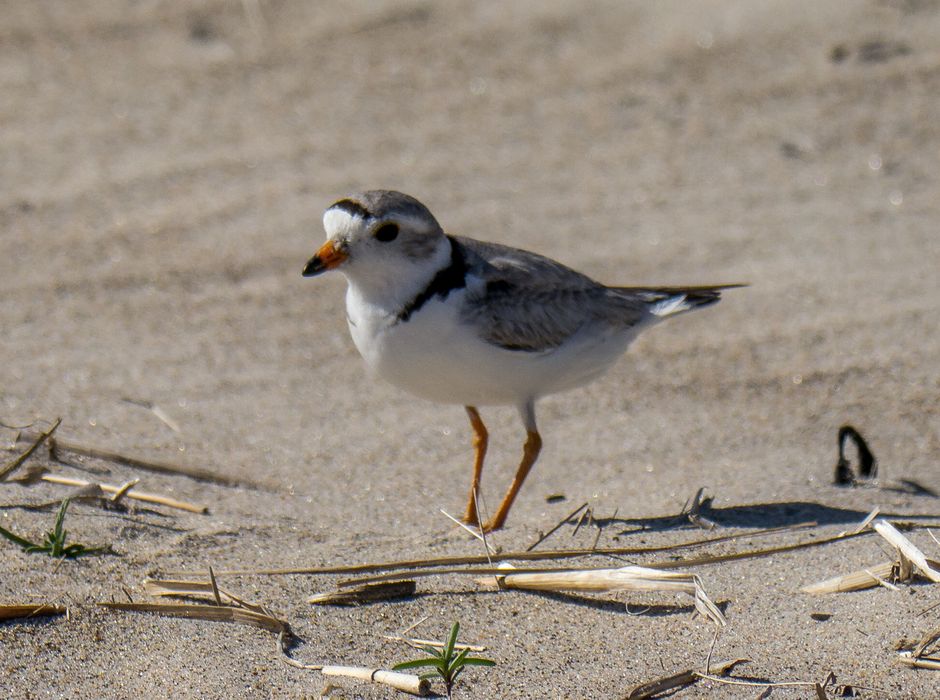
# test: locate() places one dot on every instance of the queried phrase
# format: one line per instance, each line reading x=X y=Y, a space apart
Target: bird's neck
x=392 y=286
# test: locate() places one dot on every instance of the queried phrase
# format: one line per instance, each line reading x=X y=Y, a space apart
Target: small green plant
x=444 y=663
x=54 y=542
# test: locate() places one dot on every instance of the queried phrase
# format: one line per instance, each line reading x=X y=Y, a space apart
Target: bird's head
x=378 y=237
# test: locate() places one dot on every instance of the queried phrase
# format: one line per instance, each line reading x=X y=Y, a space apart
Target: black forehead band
x=353 y=208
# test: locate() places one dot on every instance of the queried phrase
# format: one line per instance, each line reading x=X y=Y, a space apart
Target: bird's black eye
x=386 y=232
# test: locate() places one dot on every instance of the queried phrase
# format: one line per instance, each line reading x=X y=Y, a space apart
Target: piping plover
x=459 y=321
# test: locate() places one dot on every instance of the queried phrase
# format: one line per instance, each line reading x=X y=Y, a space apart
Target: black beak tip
x=313 y=267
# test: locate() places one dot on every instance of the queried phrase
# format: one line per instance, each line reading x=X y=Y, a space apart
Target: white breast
x=436 y=356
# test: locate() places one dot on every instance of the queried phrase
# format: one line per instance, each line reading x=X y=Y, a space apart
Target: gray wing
x=530 y=303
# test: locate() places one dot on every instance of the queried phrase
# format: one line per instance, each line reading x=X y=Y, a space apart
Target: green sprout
x=54 y=542
x=443 y=662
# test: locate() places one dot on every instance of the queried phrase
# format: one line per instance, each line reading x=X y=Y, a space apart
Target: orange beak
x=329 y=256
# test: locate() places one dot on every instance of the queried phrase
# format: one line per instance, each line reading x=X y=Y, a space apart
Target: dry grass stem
x=475 y=533
x=907 y=549
x=211 y=613
x=122 y=491
x=693 y=511
x=18 y=612
x=627 y=578
x=431 y=643
x=917 y=655
x=368 y=593
x=855 y=581
x=755 y=553
x=672 y=564
x=149 y=465
x=561 y=522
x=163 y=588
x=16 y=463
x=549 y=555
x=757 y=684
x=882 y=582
x=929 y=639
x=928 y=662
x=654 y=689
x=132 y=493
x=865 y=522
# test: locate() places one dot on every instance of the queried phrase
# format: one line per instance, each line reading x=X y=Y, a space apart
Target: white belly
x=434 y=356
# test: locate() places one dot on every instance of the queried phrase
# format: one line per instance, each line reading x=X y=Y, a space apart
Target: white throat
x=395 y=281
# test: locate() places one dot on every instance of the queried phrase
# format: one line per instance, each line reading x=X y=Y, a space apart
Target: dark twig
x=561 y=522
x=18 y=462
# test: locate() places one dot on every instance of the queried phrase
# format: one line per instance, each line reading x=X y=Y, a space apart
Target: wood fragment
x=907 y=548
x=132 y=493
x=211 y=613
x=368 y=593
x=16 y=463
x=17 y=612
x=656 y=688
x=154 y=466
x=405 y=682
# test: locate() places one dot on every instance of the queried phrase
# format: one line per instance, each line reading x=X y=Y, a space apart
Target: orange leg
x=533 y=445
x=480 y=441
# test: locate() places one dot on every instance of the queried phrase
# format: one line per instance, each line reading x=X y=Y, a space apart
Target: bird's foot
x=492 y=525
x=470 y=518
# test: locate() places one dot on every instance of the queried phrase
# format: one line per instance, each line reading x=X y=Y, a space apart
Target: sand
x=164 y=168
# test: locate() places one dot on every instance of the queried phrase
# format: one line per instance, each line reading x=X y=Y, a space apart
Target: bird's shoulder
x=523 y=269
x=522 y=301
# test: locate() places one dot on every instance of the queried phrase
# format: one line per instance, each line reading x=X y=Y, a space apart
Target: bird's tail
x=669 y=301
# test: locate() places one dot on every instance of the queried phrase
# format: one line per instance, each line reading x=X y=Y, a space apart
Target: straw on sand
x=212 y=613
x=907 y=549
x=126 y=492
x=910 y=557
x=655 y=689
x=369 y=593
x=18 y=612
x=855 y=581
x=627 y=578
x=162 y=588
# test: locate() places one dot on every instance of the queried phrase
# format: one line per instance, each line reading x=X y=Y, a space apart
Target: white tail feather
x=670 y=306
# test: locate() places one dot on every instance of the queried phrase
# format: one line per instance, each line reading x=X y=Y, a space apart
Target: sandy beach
x=165 y=166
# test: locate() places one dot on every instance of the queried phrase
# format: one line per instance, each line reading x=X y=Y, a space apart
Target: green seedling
x=54 y=542
x=444 y=663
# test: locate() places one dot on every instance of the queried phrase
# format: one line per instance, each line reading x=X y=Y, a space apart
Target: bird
x=461 y=321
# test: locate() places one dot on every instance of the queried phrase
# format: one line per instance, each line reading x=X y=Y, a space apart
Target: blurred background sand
x=164 y=167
